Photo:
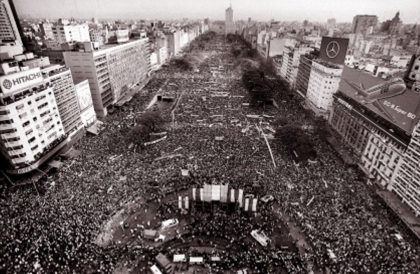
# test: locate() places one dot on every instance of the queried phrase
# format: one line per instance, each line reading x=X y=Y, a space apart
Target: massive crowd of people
x=55 y=231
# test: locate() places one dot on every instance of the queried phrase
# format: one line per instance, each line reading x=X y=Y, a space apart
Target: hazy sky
x=261 y=10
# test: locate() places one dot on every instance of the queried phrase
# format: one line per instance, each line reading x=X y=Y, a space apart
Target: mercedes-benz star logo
x=7 y=84
x=332 y=50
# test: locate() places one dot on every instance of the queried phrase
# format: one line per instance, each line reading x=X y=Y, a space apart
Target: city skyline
x=342 y=10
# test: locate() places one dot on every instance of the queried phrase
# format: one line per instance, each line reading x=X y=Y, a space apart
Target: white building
x=323 y=83
x=400 y=61
x=30 y=122
x=64 y=32
x=111 y=70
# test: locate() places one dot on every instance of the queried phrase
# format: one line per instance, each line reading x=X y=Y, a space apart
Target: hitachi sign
x=18 y=81
x=26 y=78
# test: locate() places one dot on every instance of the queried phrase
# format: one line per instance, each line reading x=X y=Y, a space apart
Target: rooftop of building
x=54 y=69
x=398 y=106
x=108 y=46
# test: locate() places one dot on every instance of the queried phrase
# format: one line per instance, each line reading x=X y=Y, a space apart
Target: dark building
x=361 y=23
x=304 y=71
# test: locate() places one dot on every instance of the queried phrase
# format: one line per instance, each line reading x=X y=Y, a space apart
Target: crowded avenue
x=212 y=132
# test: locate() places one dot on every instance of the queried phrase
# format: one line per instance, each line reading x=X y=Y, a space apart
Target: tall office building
x=364 y=23
x=10 y=39
x=229 y=24
x=111 y=70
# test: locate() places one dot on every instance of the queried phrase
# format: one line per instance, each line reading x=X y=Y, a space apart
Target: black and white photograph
x=209 y=137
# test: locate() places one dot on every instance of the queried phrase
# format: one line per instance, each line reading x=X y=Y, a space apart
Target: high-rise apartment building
x=290 y=64
x=70 y=32
x=46 y=30
x=364 y=23
x=64 y=91
x=304 y=72
x=323 y=83
x=324 y=76
x=229 y=24
x=111 y=70
x=10 y=39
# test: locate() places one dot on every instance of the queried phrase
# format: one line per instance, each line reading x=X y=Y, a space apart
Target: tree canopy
x=148 y=123
x=152 y=120
x=295 y=140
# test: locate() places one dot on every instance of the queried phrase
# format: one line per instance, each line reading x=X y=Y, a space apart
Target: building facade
x=64 y=91
x=30 y=121
x=406 y=183
x=379 y=149
x=46 y=30
x=64 y=33
x=10 y=40
x=304 y=72
x=364 y=23
x=323 y=83
x=111 y=70
x=290 y=64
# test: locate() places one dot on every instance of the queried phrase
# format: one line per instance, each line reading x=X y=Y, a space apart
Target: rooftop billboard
x=333 y=49
x=390 y=99
x=20 y=80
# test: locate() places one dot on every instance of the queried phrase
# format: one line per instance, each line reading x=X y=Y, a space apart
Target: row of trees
x=294 y=139
x=260 y=79
x=194 y=57
x=190 y=61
